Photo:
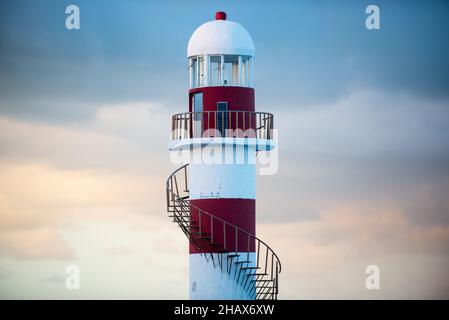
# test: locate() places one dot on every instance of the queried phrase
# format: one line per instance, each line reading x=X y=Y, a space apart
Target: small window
x=197 y=101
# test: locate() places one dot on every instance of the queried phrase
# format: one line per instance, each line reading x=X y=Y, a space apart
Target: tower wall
x=227 y=191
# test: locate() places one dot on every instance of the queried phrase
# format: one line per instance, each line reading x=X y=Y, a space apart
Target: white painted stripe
x=209 y=283
x=231 y=175
x=222 y=181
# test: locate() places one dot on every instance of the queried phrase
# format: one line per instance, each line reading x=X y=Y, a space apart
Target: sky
x=363 y=120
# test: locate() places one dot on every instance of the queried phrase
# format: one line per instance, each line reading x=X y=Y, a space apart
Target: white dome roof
x=220 y=37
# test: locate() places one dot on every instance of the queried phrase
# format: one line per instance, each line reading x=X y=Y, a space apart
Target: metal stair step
x=180 y=218
x=239 y=262
x=249 y=268
x=256 y=274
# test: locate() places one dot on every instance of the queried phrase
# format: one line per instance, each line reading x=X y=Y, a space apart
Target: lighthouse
x=212 y=197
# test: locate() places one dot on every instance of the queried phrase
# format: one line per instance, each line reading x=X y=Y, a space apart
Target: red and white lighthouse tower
x=213 y=198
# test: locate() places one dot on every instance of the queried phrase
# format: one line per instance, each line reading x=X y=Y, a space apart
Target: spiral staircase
x=255 y=267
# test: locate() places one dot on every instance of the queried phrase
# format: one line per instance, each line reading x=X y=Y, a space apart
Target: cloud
x=53 y=175
x=326 y=258
x=368 y=123
x=58 y=279
x=42 y=243
x=369 y=147
x=128 y=135
x=33 y=197
x=119 y=251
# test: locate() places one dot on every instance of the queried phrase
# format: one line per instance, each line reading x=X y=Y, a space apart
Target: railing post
x=277 y=278
x=178 y=133
x=237 y=121
x=212 y=228
x=258 y=252
x=202 y=124
x=199 y=220
x=186 y=125
x=236 y=240
x=222 y=124
x=176 y=124
x=176 y=184
x=247 y=252
x=224 y=235
x=185 y=179
x=168 y=198
x=270 y=127
x=266 y=261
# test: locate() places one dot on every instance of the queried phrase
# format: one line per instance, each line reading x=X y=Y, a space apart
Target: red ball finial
x=220 y=15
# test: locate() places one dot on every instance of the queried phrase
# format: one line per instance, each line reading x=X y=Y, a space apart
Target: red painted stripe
x=238 y=98
x=239 y=212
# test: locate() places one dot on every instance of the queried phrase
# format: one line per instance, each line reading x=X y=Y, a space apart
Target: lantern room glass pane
x=230 y=70
x=215 y=70
x=246 y=72
x=193 y=72
x=201 y=71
